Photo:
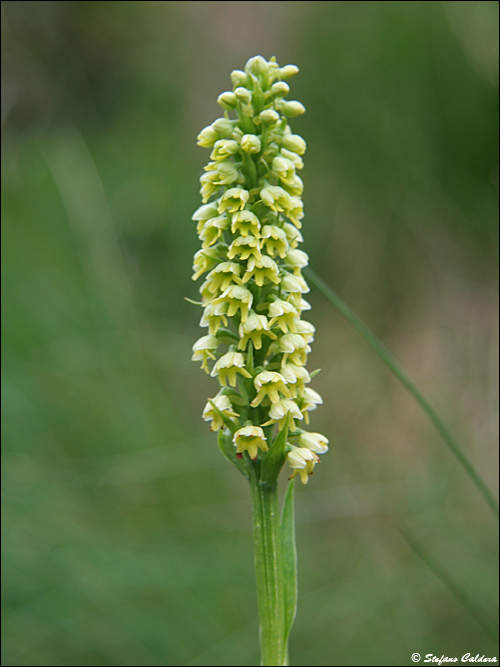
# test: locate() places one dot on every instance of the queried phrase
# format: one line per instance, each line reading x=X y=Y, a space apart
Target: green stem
x=269 y=569
x=387 y=356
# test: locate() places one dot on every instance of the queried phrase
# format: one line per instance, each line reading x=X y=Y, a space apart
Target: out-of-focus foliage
x=126 y=536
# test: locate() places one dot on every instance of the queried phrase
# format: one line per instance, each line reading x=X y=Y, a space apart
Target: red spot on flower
x=239 y=456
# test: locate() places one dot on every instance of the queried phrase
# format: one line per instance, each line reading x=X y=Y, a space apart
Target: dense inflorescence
x=253 y=293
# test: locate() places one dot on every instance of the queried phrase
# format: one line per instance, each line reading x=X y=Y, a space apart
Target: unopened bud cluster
x=252 y=296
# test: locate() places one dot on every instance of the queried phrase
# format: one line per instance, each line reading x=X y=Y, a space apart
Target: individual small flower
x=212 y=230
x=245 y=222
x=213 y=316
x=236 y=298
x=238 y=77
x=224 y=127
x=243 y=94
x=293 y=157
x=294 y=348
x=250 y=439
x=276 y=198
x=310 y=400
x=205 y=212
x=280 y=89
x=302 y=461
x=285 y=169
x=223 y=404
x=269 y=116
x=306 y=329
x=293 y=342
x=271 y=384
x=257 y=65
x=294 y=283
x=293 y=235
x=207 y=137
x=274 y=240
x=299 y=302
x=228 y=366
x=204 y=349
x=225 y=173
x=293 y=108
x=297 y=258
x=296 y=376
x=262 y=269
x=220 y=278
x=294 y=186
x=204 y=260
x=316 y=442
x=284 y=314
x=288 y=71
x=254 y=327
x=244 y=247
x=233 y=200
x=250 y=143
x=279 y=410
x=295 y=210
x=295 y=143
x=208 y=185
x=223 y=149
x=227 y=100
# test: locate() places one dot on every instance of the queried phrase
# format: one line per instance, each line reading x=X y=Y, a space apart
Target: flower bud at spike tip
x=288 y=71
x=257 y=343
x=227 y=100
x=280 y=89
x=250 y=143
x=238 y=78
x=243 y=95
x=292 y=109
x=294 y=143
x=256 y=65
x=269 y=116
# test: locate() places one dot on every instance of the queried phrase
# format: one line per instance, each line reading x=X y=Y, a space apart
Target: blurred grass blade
x=289 y=559
x=474 y=610
x=386 y=355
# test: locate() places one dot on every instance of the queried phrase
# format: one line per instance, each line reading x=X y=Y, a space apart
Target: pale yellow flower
x=228 y=367
x=204 y=349
x=254 y=327
x=244 y=247
x=302 y=461
x=236 y=298
x=245 y=222
x=274 y=240
x=250 y=439
x=262 y=269
x=284 y=314
x=223 y=404
x=271 y=384
x=310 y=400
x=233 y=200
x=316 y=442
x=223 y=149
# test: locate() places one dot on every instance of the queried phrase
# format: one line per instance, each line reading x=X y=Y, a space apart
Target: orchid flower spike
x=257 y=342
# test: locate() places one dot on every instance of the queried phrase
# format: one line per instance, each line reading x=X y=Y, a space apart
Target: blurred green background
x=126 y=536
